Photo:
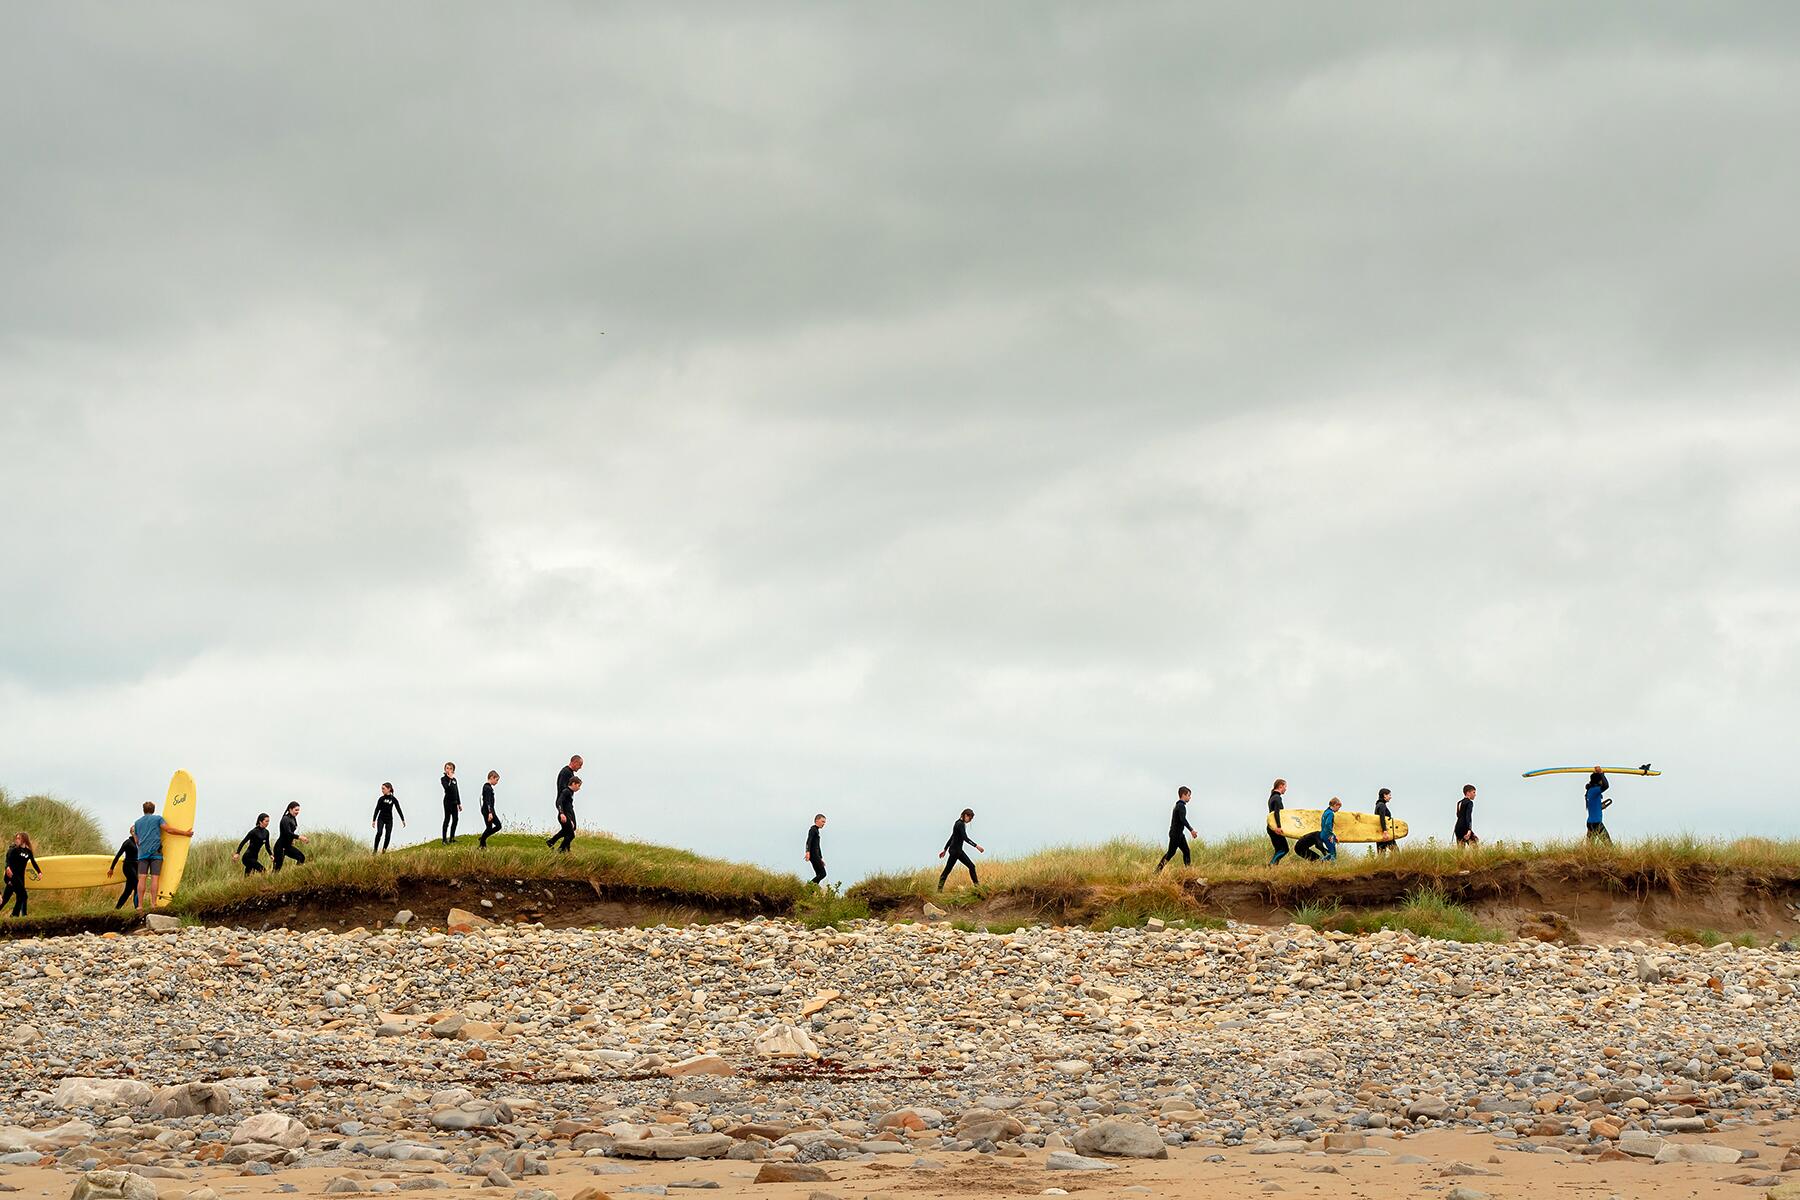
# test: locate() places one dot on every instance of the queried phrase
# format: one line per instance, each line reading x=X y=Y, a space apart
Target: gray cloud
x=888 y=410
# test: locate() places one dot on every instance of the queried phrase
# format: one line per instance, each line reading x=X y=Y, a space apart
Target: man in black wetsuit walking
x=386 y=805
x=814 y=854
x=128 y=851
x=565 y=815
x=959 y=837
x=1178 y=829
x=490 y=820
x=452 y=803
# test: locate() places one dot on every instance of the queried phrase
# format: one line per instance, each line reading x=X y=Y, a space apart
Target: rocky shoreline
x=504 y=1055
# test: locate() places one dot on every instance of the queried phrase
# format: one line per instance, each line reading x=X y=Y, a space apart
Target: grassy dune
x=55 y=826
x=1116 y=882
x=336 y=861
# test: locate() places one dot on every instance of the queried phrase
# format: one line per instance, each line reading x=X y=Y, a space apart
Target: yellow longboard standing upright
x=66 y=871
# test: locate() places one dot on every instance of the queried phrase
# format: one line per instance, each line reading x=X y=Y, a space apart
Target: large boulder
x=101 y=1093
x=786 y=1041
x=776 y=1172
x=699 y=1064
x=1698 y=1152
x=1064 y=1160
x=472 y=1114
x=461 y=920
x=16 y=1139
x=692 y=1145
x=113 y=1185
x=192 y=1100
x=270 y=1128
x=1121 y=1139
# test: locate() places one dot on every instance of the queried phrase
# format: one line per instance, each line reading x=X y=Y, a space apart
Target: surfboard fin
x=1645 y=767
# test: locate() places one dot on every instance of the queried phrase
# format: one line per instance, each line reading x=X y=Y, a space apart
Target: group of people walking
x=255 y=843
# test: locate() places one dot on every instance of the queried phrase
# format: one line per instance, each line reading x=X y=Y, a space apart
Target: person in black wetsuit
x=127 y=851
x=567 y=773
x=452 y=803
x=17 y=860
x=565 y=816
x=1280 y=843
x=1389 y=843
x=490 y=820
x=250 y=848
x=814 y=854
x=290 y=833
x=386 y=806
x=1178 y=828
x=959 y=837
x=1465 y=818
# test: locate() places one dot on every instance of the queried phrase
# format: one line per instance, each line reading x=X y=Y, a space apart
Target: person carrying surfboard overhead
x=18 y=858
x=1596 y=806
x=1465 y=818
x=127 y=851
x=251 y=846
x=1388 y=843
x=290 y=833
x=452 y=803
x=1275 y=839
x=490 y=820
x=386 y=805
x=1178 y=828
x=959 y=837
x=149 y=829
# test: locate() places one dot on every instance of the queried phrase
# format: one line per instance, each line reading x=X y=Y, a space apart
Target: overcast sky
x=885 y=409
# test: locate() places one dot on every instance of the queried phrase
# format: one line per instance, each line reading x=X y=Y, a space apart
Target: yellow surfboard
x=66 y=871
x=1349 y=827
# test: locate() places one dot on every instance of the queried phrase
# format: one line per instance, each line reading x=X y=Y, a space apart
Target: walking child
x=490 y=820
x=959 y=837
x=1276 y=840
x=128 y=852
x=1178 y=823
x=1596 y=807
x=1465 y=818
x=565 y=816
x=1388 y=843
x=17 y=860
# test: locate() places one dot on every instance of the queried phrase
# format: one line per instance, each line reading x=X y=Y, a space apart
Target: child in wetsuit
x=1596 y=806
x=1388 y=843
x=17 y=859
x=128 y=852
x=1275 y=806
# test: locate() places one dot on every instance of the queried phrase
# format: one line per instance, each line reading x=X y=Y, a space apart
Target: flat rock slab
x=698 y=1145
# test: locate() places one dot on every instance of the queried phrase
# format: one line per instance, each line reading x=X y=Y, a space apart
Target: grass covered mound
x=337 y=863
x=55 y=826
x=1115 y=883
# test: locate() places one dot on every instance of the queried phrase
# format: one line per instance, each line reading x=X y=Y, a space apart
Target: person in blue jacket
x=1596 y=807
x=1328 y=829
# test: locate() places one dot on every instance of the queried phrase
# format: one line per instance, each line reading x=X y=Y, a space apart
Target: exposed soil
x=558 y=903
x=1593 y=904
x=1538 y=899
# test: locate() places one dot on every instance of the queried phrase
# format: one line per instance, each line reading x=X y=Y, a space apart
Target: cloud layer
x=1031 y=407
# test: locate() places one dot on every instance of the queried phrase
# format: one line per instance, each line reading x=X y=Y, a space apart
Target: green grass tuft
x=55 y=826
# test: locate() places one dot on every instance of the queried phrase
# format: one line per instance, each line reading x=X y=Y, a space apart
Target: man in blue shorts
x=149 y=829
